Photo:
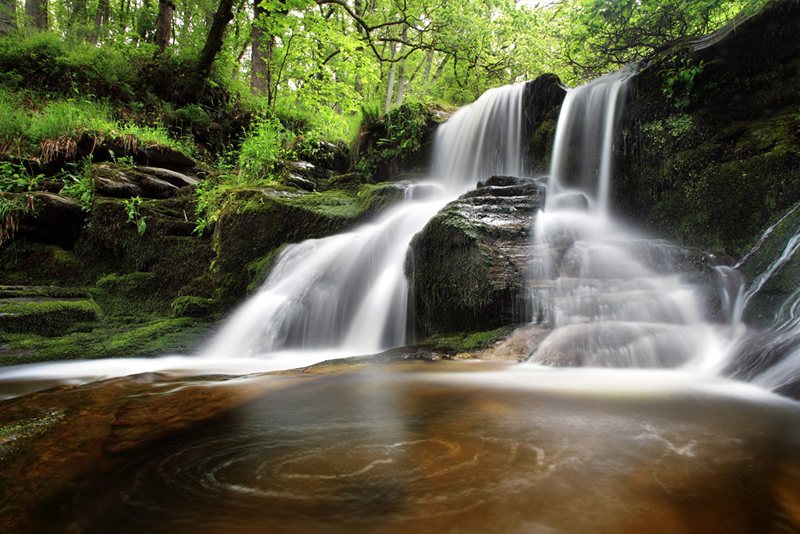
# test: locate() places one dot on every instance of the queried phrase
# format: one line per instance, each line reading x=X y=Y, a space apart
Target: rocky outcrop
x=124 y=181
x=709 y=151
x=468 y=267
x=50 y=219
x=542 y=102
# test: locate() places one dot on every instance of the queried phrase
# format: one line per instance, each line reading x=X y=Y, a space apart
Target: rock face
x=542 y=102
x=468 y=267
x=53 y=219
x=709 y=152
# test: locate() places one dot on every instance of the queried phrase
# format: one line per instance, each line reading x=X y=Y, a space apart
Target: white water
x=613 y=298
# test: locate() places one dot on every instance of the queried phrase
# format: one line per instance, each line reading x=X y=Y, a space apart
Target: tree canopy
x=332 y=59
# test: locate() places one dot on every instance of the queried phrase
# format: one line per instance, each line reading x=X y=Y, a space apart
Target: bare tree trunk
x=8 y=16
x=428 y=65
x=390 y=84
x=262 y=53
x=166 y=10
x=401 y=72
x=101 y=18
x=439 y=70
x=36 y=14
x=213 y=45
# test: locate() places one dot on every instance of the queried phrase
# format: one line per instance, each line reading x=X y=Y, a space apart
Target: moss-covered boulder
x=44 y=317
x=468 y=266
x=254 y=222
x=709 y=152
x=50 y=219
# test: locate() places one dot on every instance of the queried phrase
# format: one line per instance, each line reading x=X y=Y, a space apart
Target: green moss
x=47 y=318
x=134 y=294
x=12 y=433
x=469 y=341
x=155 y=338
x=193 y=307
x=255 y=222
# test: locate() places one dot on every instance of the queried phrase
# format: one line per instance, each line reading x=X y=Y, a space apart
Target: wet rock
x=147 y=182
x=329 y=156
x=173 y=177
x=468 y=267
x=711 y=162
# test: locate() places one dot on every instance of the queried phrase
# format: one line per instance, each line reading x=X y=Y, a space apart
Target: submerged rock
x=468 y=267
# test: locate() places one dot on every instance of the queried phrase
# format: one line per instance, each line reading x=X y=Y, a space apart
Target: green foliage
x=78 y=183
x=596 y=36
x=469 y=341
x=45 y=62
x=132 y=209
x=261 y=149
x=14 y=178
x=680 y=74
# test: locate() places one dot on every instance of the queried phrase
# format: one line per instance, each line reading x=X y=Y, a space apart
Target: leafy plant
x=14 y=178
x=132 y=208
x=261 y=149
x=78 y=183
x=683 y=73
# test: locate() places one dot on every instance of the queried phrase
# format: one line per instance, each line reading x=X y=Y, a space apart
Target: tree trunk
x=439 y=70
x=401 y=72
x=36 y=14
x=8 y=16
x=262 y=53
x=213 y=45
x=428 y=65
x=101 y=18
x=166 y=10
x=390 y=83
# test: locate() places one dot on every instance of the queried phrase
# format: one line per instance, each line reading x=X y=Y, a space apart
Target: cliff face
x=709 y=150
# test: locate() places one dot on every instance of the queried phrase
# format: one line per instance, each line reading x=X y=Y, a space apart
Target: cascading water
x=612 y=298
x=347 y=292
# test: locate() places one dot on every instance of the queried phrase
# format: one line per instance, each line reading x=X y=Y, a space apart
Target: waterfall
x=769 y=357
x=347 y=292
x=612 y=298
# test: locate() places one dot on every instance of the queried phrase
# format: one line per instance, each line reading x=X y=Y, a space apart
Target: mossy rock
x=467 y=275
x=255 y=222
x=154 y=338
x=193 y=307
x=709 y=164
x=397 y=143
x=542 y=101
x=25 y=263
x=45 y=318
x=463 y=342
x=133 y=294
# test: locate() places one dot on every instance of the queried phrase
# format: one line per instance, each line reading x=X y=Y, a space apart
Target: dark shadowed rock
x=468 y=266
x=54 y=219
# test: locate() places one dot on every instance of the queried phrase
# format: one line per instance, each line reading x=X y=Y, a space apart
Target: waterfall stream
x=348 y=292
x=612 y=297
